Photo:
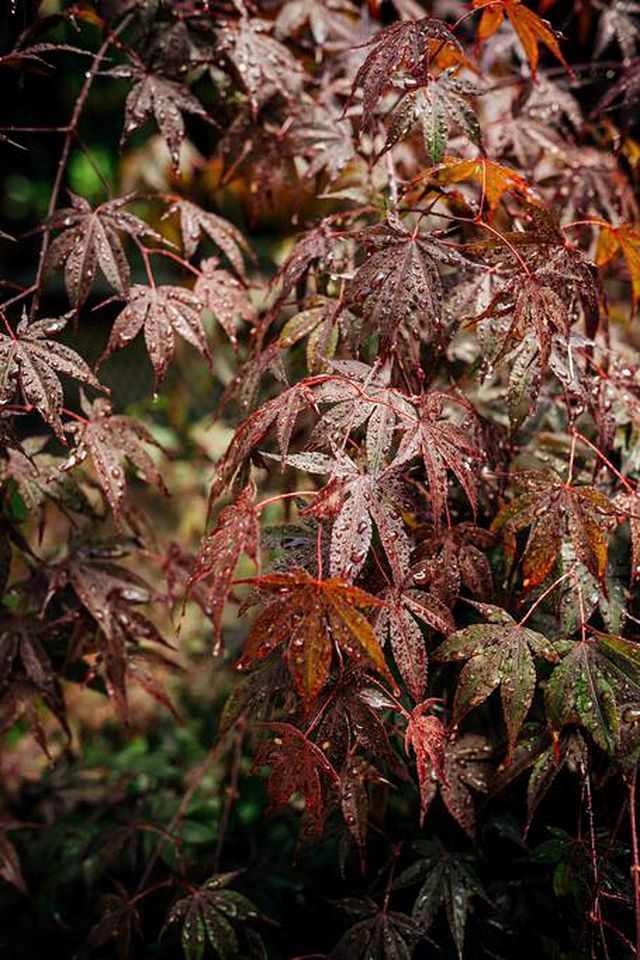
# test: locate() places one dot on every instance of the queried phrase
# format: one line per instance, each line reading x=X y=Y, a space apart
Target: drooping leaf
x=592 y=685
x=30 y=362
x=109 y=439
x=196 y=222
x=225 y=296
x=236 y=531
x=296 y=765
x=467 y=764
x=156 y=97
x=531 y=30
x=427 y=737
x=90 y=238
x=447 y=879
x=160 y=312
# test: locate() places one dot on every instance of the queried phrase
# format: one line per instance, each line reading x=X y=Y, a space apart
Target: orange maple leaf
x=529 y=27
x=311 y=616
x=626 y=240
x=494 y=179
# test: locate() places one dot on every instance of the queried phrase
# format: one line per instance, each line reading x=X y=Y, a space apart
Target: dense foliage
x=401 y=242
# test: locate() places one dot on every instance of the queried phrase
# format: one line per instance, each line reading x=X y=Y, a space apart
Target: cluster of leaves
x=429 y=371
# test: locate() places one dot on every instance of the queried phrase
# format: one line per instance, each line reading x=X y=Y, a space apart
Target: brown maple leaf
x=398 y=287
x=310 y=617
x=263 y=65
x=111 y=594
x=237 y=531
x=442 y=446
x=30 y=362
x=225 y=296
x=194 y=222
x=297 y=766
x=161 y=312
x=553 y=510
x=164 y=100
x=109 y=439
x=402 y=48
x=90 y=238
x=466 y=764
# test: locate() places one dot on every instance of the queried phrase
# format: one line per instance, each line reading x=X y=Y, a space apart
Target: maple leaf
x=447 y=879
x=282 y=412
x=400 y=621
x=237 y=531
x=442 y=446
x=161 y=312
x=499 y=654
x=297 y=766
x=445 y=101
x=164 y=100
x=493 y=179
x=349 y=712
x=362 y=395
x=110 y=594
x=90 y=238
x=466 y=764
x=194 y=222
x=209 y=915
x=545 y=756
x=626 y=240
x=323 y=18
x=10 y=870
x=554 y=509
x=225 y=296
x=427 y=737
x=30 y=362
x=355 y=501
x=354 y=801
x=402 y=47
x=263 y=64
x=593 y=684
x=311 y=616
x=530 y=29
x=119 y=920
x=323 y=138
x=376 y=934
x=451 y=559
x=108 y=439
x=398 y=286
x=38 y=478
x=27 y=677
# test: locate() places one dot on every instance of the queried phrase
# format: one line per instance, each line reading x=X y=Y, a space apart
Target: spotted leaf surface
x=31 y=362
x=160 y=312
x=310 y=618
x=499 y=653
